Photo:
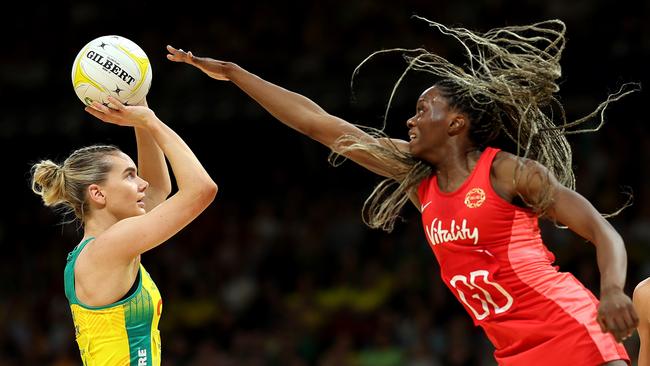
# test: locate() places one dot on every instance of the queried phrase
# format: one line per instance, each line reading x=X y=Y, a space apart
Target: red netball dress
x=493 y=259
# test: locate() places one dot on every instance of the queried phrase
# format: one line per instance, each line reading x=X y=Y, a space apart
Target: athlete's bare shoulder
x=502 y=173
x=503 y=159
x=506 y=162
x=512 y=175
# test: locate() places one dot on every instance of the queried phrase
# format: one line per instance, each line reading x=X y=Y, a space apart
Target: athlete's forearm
x=152 y=167
x=290 y=108
x=611 y=256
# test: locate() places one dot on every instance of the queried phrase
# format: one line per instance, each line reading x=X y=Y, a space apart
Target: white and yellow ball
x=111 y=65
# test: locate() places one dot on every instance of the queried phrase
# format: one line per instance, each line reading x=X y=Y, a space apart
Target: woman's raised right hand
x=119 y=114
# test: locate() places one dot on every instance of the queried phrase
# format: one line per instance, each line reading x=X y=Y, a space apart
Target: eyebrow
x=423 y=102
x=129 y=170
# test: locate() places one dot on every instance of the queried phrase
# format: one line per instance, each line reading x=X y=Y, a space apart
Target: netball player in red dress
x=480 y=206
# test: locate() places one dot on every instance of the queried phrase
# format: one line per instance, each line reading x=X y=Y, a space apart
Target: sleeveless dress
x=122 y=333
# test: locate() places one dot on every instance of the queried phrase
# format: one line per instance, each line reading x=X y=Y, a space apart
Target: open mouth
x=412 y=135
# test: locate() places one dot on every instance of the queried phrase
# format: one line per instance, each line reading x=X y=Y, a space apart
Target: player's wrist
x=151 y=122
x=610 y=289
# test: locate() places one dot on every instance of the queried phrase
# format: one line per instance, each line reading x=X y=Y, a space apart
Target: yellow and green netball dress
x=122 y=333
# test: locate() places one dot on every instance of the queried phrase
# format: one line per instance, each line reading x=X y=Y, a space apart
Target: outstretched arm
x=294 y=110
x=616 y=313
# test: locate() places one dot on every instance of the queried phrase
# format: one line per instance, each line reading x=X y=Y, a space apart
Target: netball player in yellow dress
x=125 y=212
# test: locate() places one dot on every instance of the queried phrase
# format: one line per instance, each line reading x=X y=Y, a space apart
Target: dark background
x=280 y=270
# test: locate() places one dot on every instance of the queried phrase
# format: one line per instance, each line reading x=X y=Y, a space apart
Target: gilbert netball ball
x=111 y=65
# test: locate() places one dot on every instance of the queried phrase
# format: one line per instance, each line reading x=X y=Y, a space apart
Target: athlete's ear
x=96 y=195
x=457 y=124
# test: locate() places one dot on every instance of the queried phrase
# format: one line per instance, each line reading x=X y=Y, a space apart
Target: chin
x=137 y=212
x=414 y=151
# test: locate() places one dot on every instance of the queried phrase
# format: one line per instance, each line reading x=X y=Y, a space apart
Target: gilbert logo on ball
x=111 y=65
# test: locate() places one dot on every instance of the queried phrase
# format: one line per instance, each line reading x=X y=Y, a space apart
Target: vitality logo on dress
x=439 y=235
x=474 y=198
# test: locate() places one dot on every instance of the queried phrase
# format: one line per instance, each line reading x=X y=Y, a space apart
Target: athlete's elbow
x=208 y=191
x=212 y=191
x=166 y=190
x=310 y=127
x=200 y=198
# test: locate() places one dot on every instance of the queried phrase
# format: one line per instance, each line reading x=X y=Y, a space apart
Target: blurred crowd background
x=280 y=270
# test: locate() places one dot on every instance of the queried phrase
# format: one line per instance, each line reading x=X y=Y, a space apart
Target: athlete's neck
x=93 y=228
x=456 y=167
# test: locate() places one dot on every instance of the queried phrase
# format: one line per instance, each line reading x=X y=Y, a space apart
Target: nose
x=410 y=122
x=143 y=185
